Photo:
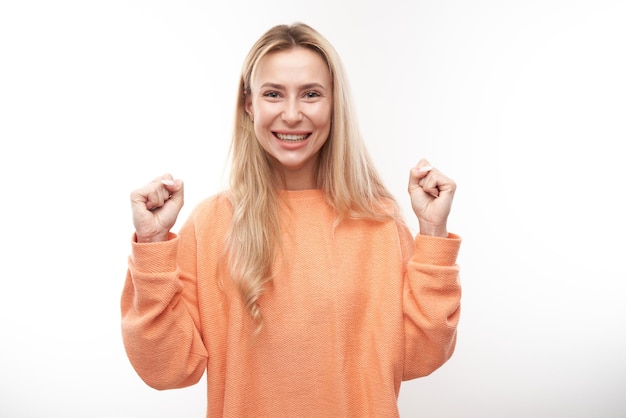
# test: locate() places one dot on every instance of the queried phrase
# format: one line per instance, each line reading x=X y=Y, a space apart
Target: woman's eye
x=311 y=94
x=271 y=94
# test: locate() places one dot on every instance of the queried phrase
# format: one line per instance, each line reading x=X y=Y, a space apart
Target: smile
x=291 y=137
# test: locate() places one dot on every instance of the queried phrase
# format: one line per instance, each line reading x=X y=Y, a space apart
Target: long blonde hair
x=345 y=171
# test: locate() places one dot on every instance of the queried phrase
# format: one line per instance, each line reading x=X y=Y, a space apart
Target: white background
x=523 y=103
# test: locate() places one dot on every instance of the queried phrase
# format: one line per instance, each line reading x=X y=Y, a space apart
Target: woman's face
x=291 y=105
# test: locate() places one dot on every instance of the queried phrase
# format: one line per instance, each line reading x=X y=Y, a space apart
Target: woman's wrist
x=440 y=231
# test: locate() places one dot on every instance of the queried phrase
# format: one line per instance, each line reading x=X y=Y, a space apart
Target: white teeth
x=291 y=138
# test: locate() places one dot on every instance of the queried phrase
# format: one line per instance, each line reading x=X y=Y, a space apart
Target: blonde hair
x=345 y=171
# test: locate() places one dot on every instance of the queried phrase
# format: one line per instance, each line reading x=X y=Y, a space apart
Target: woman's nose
x=292 y=113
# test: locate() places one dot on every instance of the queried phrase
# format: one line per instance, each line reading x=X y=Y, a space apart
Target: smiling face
x=291 y=105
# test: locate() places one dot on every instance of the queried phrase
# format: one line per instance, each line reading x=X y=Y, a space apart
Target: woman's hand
x=155 y=208
x=431 y=198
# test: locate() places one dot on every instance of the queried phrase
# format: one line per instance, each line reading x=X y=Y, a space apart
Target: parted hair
x=345 y=173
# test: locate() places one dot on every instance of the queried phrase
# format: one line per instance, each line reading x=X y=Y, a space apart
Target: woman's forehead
x=292 y=66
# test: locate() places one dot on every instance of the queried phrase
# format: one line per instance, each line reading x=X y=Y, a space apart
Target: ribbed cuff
x=436 y=250
x=155 y=257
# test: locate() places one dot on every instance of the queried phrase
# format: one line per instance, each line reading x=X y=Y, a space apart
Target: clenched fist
x=431 y=198
x=155 y=208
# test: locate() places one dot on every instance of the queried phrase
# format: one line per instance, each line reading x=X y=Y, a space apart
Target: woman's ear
x=248 y=106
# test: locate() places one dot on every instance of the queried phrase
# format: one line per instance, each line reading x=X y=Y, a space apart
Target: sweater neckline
x=305 y=194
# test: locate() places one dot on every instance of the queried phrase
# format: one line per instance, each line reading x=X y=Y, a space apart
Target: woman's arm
x=431 y=300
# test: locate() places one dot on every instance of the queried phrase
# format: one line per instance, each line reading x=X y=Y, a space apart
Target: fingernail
x=167 y=182
x=425 y=168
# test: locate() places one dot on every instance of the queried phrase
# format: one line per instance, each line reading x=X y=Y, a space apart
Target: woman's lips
x=292 y=138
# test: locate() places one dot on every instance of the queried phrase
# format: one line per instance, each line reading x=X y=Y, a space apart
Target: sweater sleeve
x=431 y=299
x=160 y=319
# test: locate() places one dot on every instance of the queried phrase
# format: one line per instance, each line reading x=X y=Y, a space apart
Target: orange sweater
x=352 y=312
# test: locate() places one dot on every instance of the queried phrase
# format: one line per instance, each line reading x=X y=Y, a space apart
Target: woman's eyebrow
x=313 y=86
x=272 y=85
x=304 y=86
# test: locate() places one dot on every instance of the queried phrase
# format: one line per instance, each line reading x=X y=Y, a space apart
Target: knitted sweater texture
x=353 y=310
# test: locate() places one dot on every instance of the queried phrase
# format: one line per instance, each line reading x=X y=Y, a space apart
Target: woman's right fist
x=155 y=208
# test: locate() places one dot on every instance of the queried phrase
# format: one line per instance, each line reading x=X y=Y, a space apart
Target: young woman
x=299 y=290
